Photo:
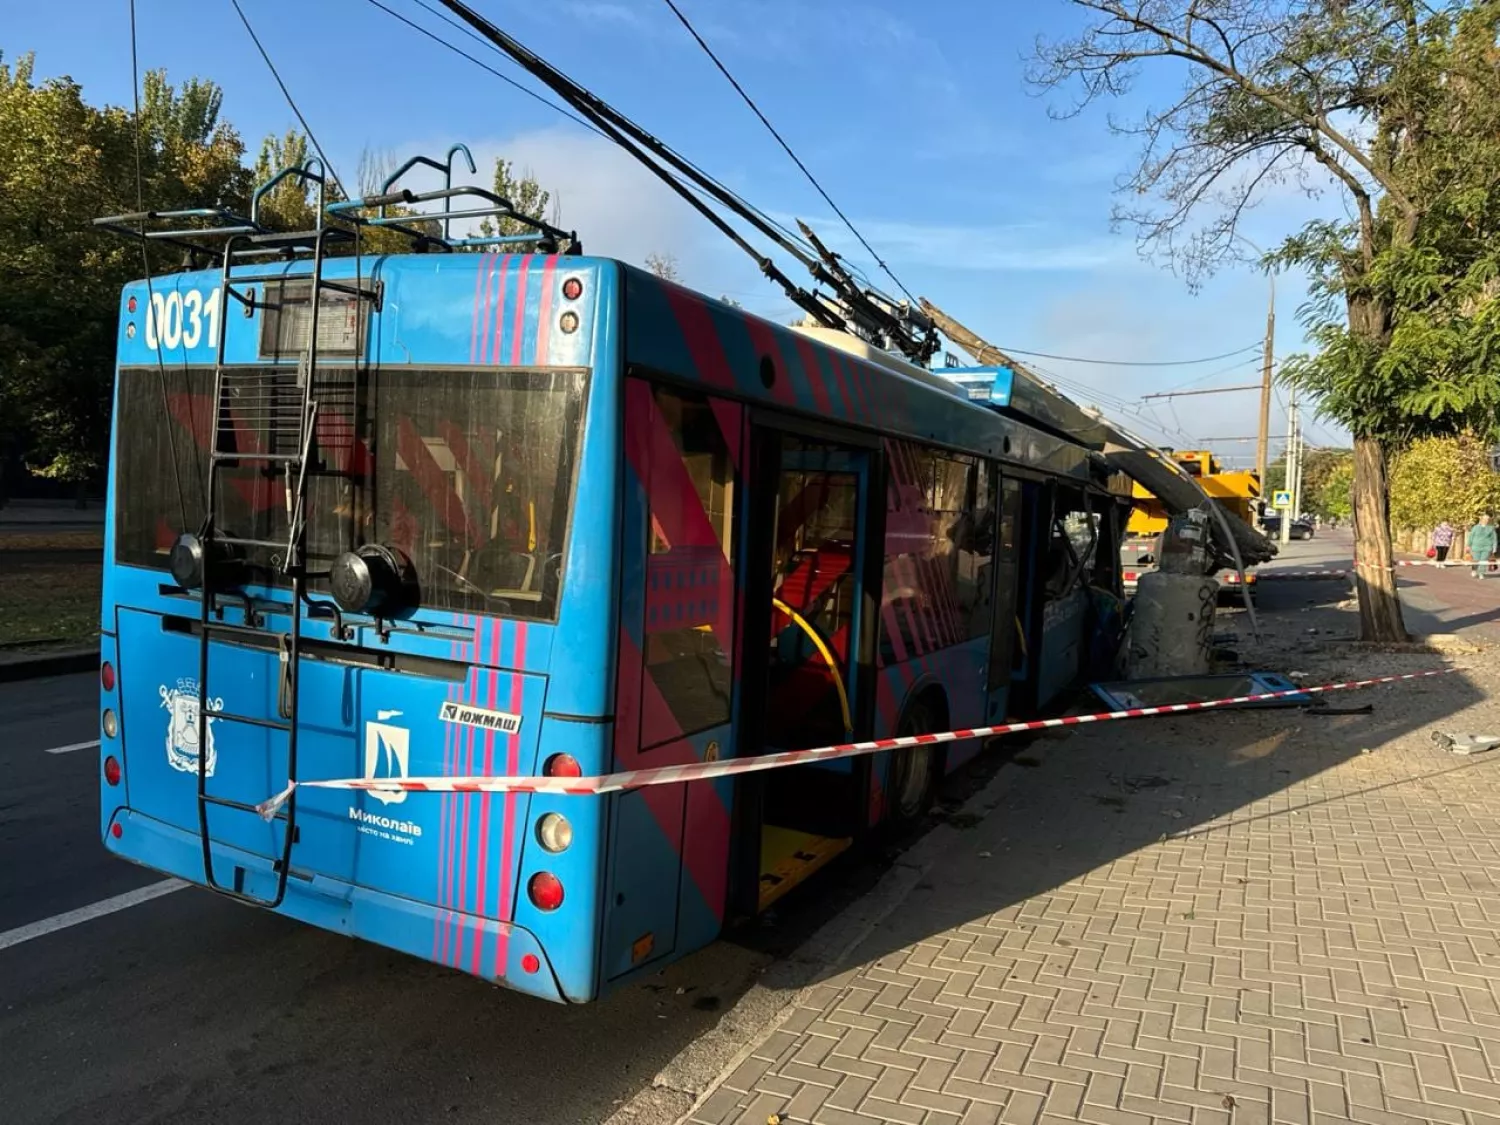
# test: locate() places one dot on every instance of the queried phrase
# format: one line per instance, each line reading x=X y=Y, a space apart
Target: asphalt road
x=191 y=1008
x=1433 y=599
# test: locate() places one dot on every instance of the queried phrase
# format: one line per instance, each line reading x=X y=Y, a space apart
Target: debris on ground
x=1365 y=709
x=1465 y=743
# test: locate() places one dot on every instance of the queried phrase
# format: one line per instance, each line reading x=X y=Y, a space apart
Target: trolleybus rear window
x=468 y=472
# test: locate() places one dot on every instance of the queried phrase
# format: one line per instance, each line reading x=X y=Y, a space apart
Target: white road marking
x=89 y=913
x=72 y=746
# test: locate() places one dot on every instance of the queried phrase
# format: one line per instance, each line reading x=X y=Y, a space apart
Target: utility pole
x=1292 y=461
x=1264 y=441
x=1265 y=390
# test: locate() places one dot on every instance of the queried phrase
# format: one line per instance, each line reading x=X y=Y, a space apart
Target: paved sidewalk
x=1242 y=918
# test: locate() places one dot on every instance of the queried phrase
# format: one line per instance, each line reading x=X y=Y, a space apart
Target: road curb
x=49 y=664
x=697 y=1071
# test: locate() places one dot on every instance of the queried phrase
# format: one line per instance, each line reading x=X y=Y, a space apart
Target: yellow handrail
x=828 y=658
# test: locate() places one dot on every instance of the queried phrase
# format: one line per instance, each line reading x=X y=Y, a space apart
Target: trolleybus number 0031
x=178 y=319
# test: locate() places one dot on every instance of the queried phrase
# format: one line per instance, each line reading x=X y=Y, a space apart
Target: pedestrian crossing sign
x=1281 y=498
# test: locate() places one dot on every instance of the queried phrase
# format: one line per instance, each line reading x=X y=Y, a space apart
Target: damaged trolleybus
x=525 y=512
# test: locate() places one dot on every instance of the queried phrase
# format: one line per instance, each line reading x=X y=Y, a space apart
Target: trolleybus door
x=808 y=654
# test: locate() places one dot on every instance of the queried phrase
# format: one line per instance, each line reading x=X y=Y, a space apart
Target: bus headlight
x=554 y=832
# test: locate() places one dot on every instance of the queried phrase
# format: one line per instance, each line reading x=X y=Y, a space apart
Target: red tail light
x=572 y=289
x=112 y=770
x=545 y=891
x=116 y=830
x=530 y=962
x=107 y=676
x=562 y=765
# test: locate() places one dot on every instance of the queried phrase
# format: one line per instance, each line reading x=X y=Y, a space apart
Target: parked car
x=1300 y=529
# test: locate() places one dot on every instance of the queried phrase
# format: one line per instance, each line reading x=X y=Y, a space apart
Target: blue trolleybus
x=518 y=511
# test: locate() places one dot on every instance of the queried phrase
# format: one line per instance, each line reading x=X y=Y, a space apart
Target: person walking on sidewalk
x=1481 y=545
x=1442 y=540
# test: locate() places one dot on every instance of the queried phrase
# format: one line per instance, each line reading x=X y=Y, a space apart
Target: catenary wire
x=450 y=21
x=1131 y=362
x=797 y=160
x=140 y=206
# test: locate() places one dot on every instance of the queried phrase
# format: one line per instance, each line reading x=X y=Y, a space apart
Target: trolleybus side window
x=1007 y=635
x=1073 y=540
x=939 y=541
x=963 y=542
x=679 y=444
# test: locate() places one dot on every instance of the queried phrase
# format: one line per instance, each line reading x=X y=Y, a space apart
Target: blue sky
x=923 y=130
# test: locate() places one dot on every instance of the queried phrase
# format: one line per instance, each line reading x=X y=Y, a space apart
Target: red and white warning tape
x=702 y=771
x=1269 y=575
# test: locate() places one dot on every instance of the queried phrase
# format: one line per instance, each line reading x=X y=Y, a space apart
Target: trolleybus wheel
x=913 y=769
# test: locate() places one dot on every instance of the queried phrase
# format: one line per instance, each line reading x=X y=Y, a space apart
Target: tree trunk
x=1374 y=576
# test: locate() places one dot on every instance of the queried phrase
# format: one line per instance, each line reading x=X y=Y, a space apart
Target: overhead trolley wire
x=1238 y=365
x=653 y=154
x=865 y=309
x=571 y=116
x=507 y=79
x=140 y=206
x=1134 y=362
x=306 y=128
x=797 y=160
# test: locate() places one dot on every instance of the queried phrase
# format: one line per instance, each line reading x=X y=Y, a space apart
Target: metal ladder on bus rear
x=277 y=406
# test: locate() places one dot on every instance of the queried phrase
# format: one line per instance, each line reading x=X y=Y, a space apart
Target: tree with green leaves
x=292 y=205
x=1443 y=478
x=64 y=162
x=1395 y=103
x=526 y=196
x=1334 y=496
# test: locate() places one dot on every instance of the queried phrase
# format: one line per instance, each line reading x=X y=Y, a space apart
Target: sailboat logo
x=387 y=754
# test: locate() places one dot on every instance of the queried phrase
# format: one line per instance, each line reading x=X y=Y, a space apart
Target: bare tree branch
x=1105 y=58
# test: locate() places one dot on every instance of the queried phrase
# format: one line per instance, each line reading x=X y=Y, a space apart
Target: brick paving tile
x=1241 y=922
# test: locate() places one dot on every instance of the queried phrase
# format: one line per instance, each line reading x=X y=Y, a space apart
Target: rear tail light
x=554 y=832
x=545 y=891
x=107 y=676
x=572 y=289
x=112 y=770
x=109 y=723
x=562 y=765
x=530 y=962
x=116 y=830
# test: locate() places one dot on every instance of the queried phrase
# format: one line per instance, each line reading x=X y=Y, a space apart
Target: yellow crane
x=1237 y=491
